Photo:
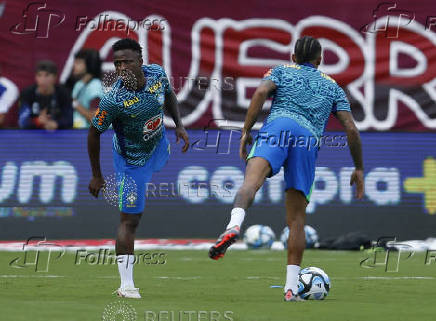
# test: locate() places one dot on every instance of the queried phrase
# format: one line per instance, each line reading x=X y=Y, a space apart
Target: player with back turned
x=303 y=99
x=135 y=108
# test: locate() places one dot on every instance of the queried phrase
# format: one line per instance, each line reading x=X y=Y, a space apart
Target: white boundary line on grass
x=30 y=276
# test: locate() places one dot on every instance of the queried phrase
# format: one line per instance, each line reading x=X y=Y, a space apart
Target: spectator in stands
x=88 y=90
x=8 y=96
x=45 y=105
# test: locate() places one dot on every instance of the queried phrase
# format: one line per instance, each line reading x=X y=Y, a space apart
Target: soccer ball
x=313 y=284
x=259 y=236
x=309 y=231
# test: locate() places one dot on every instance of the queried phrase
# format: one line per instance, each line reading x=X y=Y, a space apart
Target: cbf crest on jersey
x=152 y=127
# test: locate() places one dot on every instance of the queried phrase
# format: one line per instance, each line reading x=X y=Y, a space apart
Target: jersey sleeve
x=106 y=113
x=165 y=82
x=162 y=76
x=274 y=74
x=341 y=102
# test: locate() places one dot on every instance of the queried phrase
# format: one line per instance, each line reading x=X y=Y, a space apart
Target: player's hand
x=51 y=125
x=357 y=178
x=181 y=133
x=95 y=185
x=43 y=117
x=245 y=139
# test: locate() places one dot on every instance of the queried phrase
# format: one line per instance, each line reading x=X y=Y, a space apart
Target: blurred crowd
x=49 y=105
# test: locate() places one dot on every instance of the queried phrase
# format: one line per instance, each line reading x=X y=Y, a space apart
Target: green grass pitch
x=239 y=285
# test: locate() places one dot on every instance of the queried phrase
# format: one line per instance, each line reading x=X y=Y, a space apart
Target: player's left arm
x=342 y=112
x=171 y=105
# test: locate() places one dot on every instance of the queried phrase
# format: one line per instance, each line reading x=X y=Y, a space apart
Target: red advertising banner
x=216 y=52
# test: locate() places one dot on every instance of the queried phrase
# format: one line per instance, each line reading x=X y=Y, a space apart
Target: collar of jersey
x=308 y=64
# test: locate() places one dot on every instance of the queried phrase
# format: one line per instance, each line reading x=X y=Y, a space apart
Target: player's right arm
x=104 y=116
x=97 y=180
x=266 y=88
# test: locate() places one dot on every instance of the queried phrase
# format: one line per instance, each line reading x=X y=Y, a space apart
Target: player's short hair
x=127 y=43
x=307 y=49
x=92 y=61
x=46 y=65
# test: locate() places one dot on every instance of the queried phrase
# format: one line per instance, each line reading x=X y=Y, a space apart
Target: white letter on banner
x=8 y=180
x=276 y=187
x=391 y=177
x=48 y=174
x=226 y=181
x=322 y=196
x=345 y=191
x=186 y=177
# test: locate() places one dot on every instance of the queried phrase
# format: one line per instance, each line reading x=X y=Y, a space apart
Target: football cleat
x=224 y=241
x=291 y=297
x=131 y=293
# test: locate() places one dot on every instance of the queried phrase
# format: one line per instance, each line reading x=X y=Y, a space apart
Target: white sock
x=292 y=278
x=237 y=217
x=125 y=267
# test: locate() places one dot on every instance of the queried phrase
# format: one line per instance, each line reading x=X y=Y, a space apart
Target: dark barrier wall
x=44 y=187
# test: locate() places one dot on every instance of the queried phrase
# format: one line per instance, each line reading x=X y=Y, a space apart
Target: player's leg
x=256 y=172
x=265 y=159
x=132 y=201
x=126 y=233
x=299 y=173
x=124 y=248
x=131 y=206
x=131 y=181
x=258 y=169
x=295 y=217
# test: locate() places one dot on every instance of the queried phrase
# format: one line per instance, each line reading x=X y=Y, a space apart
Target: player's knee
x=131 y=222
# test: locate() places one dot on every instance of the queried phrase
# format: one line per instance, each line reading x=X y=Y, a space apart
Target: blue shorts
x=132 y=199
x=283 y=142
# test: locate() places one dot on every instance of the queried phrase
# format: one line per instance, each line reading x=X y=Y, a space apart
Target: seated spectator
x=45 y=105
x=88 y=89
x=8 y=96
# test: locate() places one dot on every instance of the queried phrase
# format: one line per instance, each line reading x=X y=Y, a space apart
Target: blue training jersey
x=306 y=95
x=136 y=116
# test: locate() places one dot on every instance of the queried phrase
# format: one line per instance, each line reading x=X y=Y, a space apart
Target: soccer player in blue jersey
x=303 y=99
x=135 y=108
